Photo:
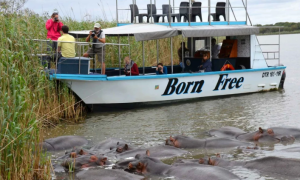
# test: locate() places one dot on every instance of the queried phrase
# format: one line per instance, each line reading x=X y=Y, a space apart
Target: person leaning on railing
x=53 y=27
x=98 y=36
x=130 y=65
x=161 y=69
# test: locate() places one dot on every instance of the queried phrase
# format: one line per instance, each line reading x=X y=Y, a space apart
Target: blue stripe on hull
x=214 y=23
x=125 y=78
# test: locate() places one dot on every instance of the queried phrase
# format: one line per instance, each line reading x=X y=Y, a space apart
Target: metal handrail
x=229 y=6
x=245 y=6
x=232 y=10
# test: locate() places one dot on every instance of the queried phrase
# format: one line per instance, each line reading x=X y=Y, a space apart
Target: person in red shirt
x=53 y=27
x=131 y=65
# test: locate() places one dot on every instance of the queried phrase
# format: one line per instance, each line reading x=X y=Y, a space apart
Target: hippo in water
x=110 y=144
x=149 y=167
x=85 y=161
x=270 y=135
x=78 y=152
x=275 y=165
x=107 y=174
x=123 y=164
x=160 y=152
x=63 y=143
x=181 y=141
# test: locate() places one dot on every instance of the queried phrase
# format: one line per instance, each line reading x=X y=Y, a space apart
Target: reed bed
x=29 y=101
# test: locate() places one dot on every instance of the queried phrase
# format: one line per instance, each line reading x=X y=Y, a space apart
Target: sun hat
x=97 y=25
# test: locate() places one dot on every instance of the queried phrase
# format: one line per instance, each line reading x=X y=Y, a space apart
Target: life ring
x=227 y=66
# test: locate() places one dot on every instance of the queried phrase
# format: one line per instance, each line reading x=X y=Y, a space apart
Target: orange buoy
x=227 y=66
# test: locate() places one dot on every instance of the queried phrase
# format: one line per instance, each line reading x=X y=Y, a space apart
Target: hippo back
x=63 y=143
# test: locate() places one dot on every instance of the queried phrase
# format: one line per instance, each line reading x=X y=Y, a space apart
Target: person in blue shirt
x=161 y=69
x=206 y=64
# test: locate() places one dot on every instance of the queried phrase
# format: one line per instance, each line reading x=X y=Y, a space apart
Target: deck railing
x=238 y=12
x=80 y=49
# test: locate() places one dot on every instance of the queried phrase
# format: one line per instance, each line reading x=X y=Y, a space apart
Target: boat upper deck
x=182 y=13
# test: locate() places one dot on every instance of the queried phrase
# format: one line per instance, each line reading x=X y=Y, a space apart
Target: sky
x=260 y=11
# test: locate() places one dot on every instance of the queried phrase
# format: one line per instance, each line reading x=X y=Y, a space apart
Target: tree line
x=286 y=27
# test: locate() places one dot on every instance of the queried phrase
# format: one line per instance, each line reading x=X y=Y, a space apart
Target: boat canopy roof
x=208 y=31
x=144 y=32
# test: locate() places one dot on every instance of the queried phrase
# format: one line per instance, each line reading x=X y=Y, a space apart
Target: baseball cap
x=97 y=25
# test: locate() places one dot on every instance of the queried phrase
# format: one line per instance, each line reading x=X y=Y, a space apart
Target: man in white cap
x=98 y=37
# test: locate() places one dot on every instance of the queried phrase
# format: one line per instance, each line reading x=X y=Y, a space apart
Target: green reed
x=29 y=101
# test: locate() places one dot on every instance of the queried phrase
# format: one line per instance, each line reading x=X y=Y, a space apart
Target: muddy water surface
x=151 y=126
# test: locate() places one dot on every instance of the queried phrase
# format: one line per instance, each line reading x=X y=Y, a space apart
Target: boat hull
x=160 y=88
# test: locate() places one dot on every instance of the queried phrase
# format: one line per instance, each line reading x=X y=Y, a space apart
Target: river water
x=152 y=125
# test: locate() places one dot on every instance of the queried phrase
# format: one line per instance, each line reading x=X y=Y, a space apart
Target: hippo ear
x=93 y=158
x=172 y=139
x=81 y=152
x=209 y=161
x=201 y=161
x=130 y=166
x=126 y=147
x=270 y=131
x=261 y=130
x=148 y=153
x=104 y=159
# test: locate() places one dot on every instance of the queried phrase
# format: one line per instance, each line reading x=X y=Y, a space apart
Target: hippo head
x=97 y=161
x=77 y=152
x=122 y=147
x=172 y=142
x=203 y=161
x=270 y=136
x=140 y=156
x=139 y=167
x=210 y=160
x=84 y=161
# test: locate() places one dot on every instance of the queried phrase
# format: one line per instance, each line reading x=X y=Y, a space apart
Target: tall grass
x=29 y=100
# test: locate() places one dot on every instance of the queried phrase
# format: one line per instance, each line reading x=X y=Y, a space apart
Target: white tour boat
x=241 y=52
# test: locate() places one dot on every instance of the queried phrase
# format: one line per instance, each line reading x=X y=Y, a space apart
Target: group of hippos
x=130 y=163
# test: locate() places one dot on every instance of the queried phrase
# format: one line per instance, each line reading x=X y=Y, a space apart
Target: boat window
x=199 y=44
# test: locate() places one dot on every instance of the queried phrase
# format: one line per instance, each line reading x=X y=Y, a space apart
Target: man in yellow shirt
x=66 y=48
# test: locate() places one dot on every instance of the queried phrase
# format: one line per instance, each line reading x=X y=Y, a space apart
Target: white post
x=190 y=4
x=227 y=9
x=171 y=55
x=209 y=16
x=117 y=18
x=246 y=13
x=279 y=49
x=157 y=51
x=169 y=15
x=129 y=52
x=151 y=17
x=210 y=55
x=143 y=47
x=119 y=55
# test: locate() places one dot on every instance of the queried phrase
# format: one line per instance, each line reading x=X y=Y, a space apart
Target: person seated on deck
x=130 y=65
x=161 y=69
x=215 y=50
x=206 y=64
x=65 y=46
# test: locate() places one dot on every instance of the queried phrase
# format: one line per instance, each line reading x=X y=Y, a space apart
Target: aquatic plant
x=29 y=101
